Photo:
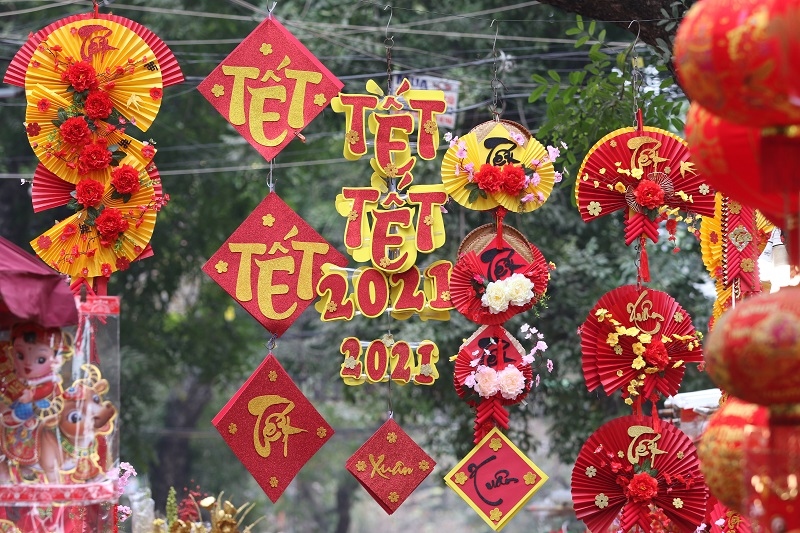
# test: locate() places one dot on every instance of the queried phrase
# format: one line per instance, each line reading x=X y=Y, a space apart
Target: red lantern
x=754 y=350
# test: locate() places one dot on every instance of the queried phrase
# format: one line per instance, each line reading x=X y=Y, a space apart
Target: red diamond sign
x=271 y=264
x=271 y=427
x=496 y=479
x=270 y=87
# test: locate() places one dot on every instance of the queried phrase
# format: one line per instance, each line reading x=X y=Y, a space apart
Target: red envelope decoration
x=271 y=427
x=270 y=87
x=496 y=479
x=271 y=264
x=390 y=466
x=635 y=469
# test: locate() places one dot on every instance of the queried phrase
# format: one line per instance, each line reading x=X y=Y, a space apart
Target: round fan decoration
x=636 y=470
x=643 y=172
x=725 y=520
x=498 y=163
x=498 y=275
x=638 y=340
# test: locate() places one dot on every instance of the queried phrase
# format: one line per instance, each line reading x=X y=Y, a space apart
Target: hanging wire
x=636 y=74
x=270 y=179
x=388 y=43
x=495 y=108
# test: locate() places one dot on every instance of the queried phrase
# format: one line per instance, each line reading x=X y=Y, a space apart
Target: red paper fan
x=612 y=342
x=612 y=174
x=49 y=191
x=170 y=70
x=631 y=468
x=489 y=257
x=724 y=520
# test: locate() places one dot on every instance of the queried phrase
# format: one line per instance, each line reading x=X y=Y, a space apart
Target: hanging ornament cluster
x=88 y=78
x=271 y=263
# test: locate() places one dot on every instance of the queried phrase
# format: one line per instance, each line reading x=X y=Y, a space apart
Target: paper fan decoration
x=641 y=171
x=638 y=340
x=634 y=470
x=100 y=55
x=170 y=70
x=725 y=520
x=112 y=227
x=498 y=163
x=73 y=147
x=499 y=274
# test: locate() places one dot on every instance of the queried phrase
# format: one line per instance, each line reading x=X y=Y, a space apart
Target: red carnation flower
x=656 y=354
x=105 y=269
x=81 y=76
x=33 y=129
x=68 y=231
x=148 y=151
x=123 y=263
x=76 y=131
x=642 y=488
x=649 y=194
x=109 y=225
x=156 y=93
x=94 y=157
x=43 y=104
x=125 y=179
x=513 y=179
x=44 y=242
x=89 y=192
x=489 y=178
x=98 y=105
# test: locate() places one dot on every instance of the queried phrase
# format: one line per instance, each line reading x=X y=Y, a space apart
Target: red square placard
x=270 y=87
x=390 y=466
x=271 y=264
x=496 y=479
x=271 y=427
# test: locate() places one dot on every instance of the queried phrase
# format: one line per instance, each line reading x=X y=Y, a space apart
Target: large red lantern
x=753 y=351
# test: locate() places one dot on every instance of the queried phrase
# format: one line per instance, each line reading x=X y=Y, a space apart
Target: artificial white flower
x=519 y=289
x=494 y=297
x=511 y=382
x=486 y=383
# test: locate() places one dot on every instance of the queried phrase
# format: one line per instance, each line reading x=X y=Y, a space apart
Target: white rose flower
x=486 y=383
x=511 y=382
x=519 y=290
x=495 y=297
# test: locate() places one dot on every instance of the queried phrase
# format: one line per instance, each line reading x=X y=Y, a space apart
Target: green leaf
x=597 y=56
x=573 y=31
x=579 y=22
x=581 y=41
x=677 y=123
x=74 y=205
x=537 y=93
x=62 y=114
x=554 y=75
x=552 y=94
x=539 y=79
x=668 y=82
x=592 y=26
x=601 y=36
x=621 y=60
x=569 y=94
x=473 y=196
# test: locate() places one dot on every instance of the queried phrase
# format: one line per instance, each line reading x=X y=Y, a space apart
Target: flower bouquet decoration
x=639 y=471
x=498 y=275
x=638 y=341
x=499 y=163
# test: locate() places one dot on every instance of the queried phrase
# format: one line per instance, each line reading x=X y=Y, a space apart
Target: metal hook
x=496 y=83
x=271 y=342
x=386 y=32
x=270 y=180
x=271 y=8
x=638 y=32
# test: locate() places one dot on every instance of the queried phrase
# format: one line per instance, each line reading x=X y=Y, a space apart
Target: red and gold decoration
x=271 y=264
x=638 y=470
x=496 y=479
x=390 y=466
x=638 y=340
x=272 y=427
x=724 y=520
x=270 y=87
x=499 y=163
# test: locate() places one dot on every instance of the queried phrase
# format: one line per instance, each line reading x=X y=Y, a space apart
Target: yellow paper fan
x=455 y=178
x=765 y=227
x=60 y=157
x=73 y=245
x=127 y=68
x=534 y=151
x=711 y=238
x=723 y=300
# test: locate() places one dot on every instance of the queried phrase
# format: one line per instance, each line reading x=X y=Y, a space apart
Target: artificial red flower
x=109 y=225
x=43 y=104
x=123 y=263
x=156 y=93
x=513 y=179
x=649 y=194
x=105 y=269
x=672 y=226
x=44 y=242
x=489 y=178
x=33 y=129
x=656 y=354
x=81 y=76
x=95 y=156
x=148 y=151
x=76 y=131
x=125 y=179
x=89 y=192
x=642 y=488
x=98 y=105
x=68 y=231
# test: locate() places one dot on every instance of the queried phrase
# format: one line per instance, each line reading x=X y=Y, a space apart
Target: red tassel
x=500 y=214
x=644 y=264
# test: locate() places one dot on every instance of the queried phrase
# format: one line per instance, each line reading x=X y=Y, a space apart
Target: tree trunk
x=172 y=450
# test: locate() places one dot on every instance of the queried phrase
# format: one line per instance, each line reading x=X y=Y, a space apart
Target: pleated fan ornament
x=637 y=471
